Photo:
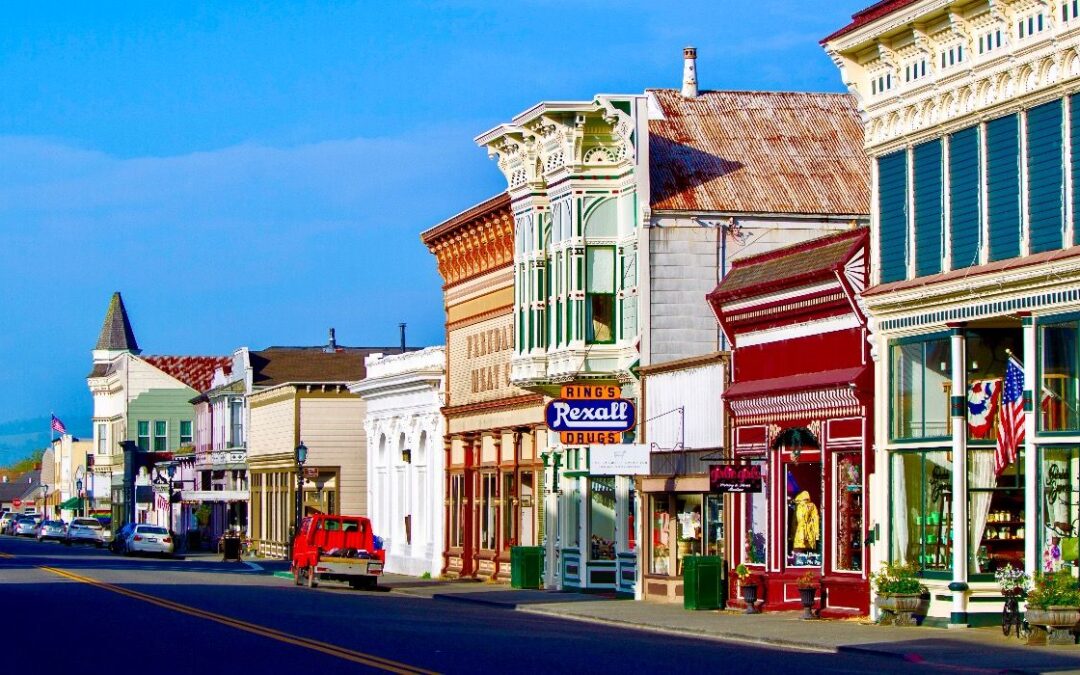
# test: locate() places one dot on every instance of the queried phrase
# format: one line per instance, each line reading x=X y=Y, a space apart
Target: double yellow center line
x=307 y=643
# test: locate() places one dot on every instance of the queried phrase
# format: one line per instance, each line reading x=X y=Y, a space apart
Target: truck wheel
x=311 y=583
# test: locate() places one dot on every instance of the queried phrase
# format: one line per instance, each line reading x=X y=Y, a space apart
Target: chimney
x=331 y=343
x=689 y=73
x=401 y=326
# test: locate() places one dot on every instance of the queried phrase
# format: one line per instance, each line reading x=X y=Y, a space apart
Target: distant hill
x=20 y=438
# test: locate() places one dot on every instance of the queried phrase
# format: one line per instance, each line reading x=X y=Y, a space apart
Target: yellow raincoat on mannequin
x=807 y=523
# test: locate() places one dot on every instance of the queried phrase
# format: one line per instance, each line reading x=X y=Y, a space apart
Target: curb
x=283 y=575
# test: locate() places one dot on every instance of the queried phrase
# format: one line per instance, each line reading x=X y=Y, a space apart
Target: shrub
x=808 y=580
x=1054 y=589
x=896 y=579
x=742 y=572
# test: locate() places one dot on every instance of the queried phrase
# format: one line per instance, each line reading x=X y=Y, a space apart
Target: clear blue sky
x=254 y=173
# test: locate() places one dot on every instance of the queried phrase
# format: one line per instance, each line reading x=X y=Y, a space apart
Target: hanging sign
x=619 y=460
x=736 y=478
x=588 y=414
x=311 y=472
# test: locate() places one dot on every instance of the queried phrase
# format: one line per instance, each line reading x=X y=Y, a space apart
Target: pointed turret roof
x=116 y=333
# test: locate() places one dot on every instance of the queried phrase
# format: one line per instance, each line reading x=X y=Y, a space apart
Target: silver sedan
x=51 y=529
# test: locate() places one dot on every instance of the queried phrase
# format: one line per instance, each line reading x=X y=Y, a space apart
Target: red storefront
x=800 y=408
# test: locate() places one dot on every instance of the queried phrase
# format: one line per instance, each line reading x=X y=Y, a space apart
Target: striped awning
x=831 y=402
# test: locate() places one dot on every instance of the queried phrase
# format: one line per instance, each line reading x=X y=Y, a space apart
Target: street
x=204 y=616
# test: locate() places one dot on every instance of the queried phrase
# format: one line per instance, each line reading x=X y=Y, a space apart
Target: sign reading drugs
x=588 y=414
x=735 y=478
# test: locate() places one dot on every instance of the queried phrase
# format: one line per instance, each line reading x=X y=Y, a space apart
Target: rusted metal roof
x=196 y=372
x=870 y=14
x=758 y=152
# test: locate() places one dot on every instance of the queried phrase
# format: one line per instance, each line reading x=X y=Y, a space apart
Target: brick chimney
x=689 y=73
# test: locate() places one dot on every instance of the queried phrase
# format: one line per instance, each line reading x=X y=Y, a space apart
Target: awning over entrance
x=777 y=399
x=73 y=504
x=788 y=383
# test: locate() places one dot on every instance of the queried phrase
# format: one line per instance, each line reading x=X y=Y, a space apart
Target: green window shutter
x=892 y=207
x=928 y=211
x=1045 y=177
x=1003 y=186
x=964 y=197
x=1074 y=132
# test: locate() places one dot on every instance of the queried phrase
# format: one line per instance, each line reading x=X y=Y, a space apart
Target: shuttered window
x=964 y=197
x=892 y=208
x=1003 y=186
x=1074 y=130
x=928 y=211
x=1045 y=177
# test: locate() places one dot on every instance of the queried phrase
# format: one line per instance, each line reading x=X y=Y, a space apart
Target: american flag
x=57 y=425
x=1010 y=425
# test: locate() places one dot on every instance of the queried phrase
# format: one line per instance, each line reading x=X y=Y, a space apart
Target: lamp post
x=78 y=495
x=44 y=501
x=171 y=470
x=301 y=458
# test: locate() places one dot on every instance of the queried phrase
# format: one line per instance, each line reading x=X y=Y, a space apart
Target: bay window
x=600 y=294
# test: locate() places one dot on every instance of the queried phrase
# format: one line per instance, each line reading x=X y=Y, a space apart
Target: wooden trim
x=494 y=313
x=687 y=363
x=502 y=403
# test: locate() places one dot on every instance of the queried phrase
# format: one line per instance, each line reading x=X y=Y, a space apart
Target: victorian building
x=494 y=430
x=404 y=394
x=628 y=210
x=972 y=125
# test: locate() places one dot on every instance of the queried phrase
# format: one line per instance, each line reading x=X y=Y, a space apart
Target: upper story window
x=920 y=387
x=1030 y=25
x=952 y=56
x=881 y=83
x=236 y=423
x=161 y=436
x=185 y=433
x=600 y=294
x=143 y=434
x=915 y=71
x=1070 y=10
x=991 y=40
x=102 y=439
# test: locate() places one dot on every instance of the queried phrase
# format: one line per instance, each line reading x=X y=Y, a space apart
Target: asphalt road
x=85 y=610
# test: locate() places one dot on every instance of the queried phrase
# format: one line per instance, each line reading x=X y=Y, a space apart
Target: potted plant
x=1053 y=606
x=897 y=590
x=748 y=590
x=808 y=584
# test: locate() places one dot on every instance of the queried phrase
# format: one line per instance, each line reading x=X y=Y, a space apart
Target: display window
x=688 y=528
x=602 y=518
x=509 y=515
x=803 y=485
x=920 y=388
x=660 y=534
x=683 y=524
x=457 y=510
x=921 y=509
x=714 y=529
x=986 y=356
x=995 y=512
x=1059 y=508
x=488 y=510
x=572 y=509
x=1059 y=400
x=849 y=510
x=756 y=521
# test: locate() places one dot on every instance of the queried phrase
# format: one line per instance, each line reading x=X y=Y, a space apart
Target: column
x=1031 y=458
x=959 y=587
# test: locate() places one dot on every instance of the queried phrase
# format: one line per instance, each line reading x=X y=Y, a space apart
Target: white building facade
x=406 y=460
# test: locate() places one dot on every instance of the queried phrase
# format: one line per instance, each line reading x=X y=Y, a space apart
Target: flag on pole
x=57 y=425
x=1010 y=426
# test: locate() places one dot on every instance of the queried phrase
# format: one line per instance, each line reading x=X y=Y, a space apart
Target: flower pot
x=749 y=596
x=1057 y=622
x=807 y=597
x=897 y=610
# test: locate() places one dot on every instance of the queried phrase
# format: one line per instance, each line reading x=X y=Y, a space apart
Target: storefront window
x=602 y=518
x=849 y=510
x=1061 y=378
x=509 y=499
x=995 y=512
x=572 y=508
x=714 y=525
x=689 y=528
x=987 y=353
x=457 y=510
x=631 y=531
x=488 y=506
x=921 y=502
x=1060 y=499
x=803 y=481
x=527 y=509
x=756 y=522
x=920 y=389
x=660 y=537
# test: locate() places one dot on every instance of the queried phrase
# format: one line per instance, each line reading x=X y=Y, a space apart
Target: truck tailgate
x=349 y=566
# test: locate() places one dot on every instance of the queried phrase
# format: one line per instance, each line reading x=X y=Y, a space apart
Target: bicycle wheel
x=1009 y=616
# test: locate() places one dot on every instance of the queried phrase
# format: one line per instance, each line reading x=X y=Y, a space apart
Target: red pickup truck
x=336 y=548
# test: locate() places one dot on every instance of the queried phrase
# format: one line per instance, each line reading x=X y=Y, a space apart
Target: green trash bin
x=703 y=577
x=526 y=566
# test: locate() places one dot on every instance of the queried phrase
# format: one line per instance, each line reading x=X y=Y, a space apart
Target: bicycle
x=1012 y=617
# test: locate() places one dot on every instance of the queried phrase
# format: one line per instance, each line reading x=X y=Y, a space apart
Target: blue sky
x=254 y=173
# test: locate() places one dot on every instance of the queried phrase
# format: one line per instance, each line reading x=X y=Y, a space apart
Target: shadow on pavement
x=942 y=651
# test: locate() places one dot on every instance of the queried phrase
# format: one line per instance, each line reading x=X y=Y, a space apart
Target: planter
x=807 y=597
x=1054 y=624
x=749 y=596
x=897 y=610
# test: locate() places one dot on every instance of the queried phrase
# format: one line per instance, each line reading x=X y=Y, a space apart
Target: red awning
x=778 y=385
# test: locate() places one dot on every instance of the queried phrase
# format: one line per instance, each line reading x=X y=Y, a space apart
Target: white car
x=26 y=526
x=85 y=531
x=7 y=520
x=50 y=529
x=149 y=539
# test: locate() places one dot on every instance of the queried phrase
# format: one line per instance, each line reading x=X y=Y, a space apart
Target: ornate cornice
x=473 y=243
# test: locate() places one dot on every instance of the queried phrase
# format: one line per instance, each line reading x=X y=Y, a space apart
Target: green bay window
x=1058 y=399
x=920 y=499
x=1059 y=469
x=995 y=512
x=920 y=388
x=600 y=294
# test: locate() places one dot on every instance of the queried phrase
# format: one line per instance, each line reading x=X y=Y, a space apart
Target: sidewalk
x=975 y=650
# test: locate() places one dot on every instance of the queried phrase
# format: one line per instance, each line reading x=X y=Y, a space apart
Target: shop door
x=803 y=515
x=714 y=525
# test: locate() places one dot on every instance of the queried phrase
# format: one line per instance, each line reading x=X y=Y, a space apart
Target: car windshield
x=150 y=529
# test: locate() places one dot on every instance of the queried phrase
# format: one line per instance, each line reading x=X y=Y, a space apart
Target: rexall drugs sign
x=588 y=414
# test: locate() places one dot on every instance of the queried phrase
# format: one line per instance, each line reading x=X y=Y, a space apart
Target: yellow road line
x=6 y=555
x=326 y=648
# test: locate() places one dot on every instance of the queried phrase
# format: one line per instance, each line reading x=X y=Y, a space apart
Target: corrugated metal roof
x=758 y=152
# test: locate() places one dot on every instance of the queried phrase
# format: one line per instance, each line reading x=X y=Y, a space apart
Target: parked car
x=85 y=531
x=7 y=521
x=149 y=539
x=119 y=542
x=51 y=529
x=26 y=526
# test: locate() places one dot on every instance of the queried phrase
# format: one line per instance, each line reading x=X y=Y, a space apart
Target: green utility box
x=526 y=566
x=703 y=582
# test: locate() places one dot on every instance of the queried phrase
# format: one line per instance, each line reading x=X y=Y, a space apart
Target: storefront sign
x=311 y=472
x=588 y=414
x=735 y=478
x=619 y=460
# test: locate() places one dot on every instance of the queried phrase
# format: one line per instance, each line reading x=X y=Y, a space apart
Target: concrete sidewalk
x=975 y=650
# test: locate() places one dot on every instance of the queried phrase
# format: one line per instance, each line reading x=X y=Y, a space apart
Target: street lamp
x=301 y=458
x=171 y=470
x=78 y=495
